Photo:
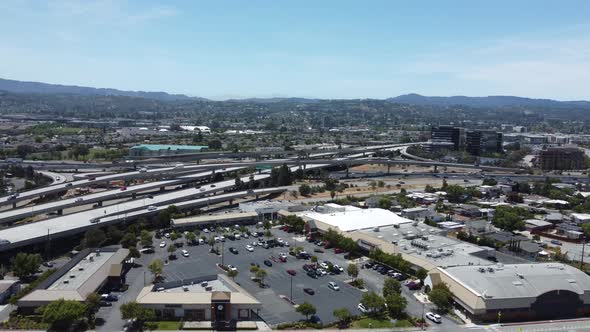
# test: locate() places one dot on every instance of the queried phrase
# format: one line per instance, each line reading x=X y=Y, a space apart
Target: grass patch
x=168 y=325
x=403 y=323
x=374 y=323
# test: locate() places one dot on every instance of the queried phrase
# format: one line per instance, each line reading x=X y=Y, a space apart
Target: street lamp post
x=582 y=257
x=291 y=297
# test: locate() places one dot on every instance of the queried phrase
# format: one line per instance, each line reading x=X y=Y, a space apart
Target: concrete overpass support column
x=99 y=203
x=435 y=168
x=231 y=202
x=60 y=212
x=347 y=170
x=162 y=188
x=134 y=195
x=388 y=169
x=304 y=166
x=14 y=205
x=256 y=196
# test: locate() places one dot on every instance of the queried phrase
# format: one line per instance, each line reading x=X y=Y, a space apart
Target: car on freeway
x=434 y=317
x=233 y=250
x=69 y=184
x=292 y=272
x=94 y=220
x=309 y=291
x=232 y=268
x=79 y=199
x=178 y=166
x=142 y=170
x=332 y=285
x=123 y=188
x=152 y=208
x=162 y=244
x=267 y=262
x=249 y=248
x=185 y=253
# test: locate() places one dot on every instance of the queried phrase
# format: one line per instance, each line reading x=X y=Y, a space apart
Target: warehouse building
x=210 y=298
x=517 y=292
x=87 y=272
x=158 y=150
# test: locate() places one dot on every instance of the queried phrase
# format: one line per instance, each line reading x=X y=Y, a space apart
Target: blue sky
x=326 y=49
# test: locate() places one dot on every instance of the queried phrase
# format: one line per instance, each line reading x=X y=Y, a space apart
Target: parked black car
x=267 y=262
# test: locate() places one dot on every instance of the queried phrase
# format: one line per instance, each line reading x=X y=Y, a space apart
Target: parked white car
x=162 y=244
x=249 y=248
x=332 y=285
x=362 y=308
x=184 y=253
x=433 y=317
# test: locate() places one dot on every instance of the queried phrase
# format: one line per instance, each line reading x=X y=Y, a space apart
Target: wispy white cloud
x=543 y=66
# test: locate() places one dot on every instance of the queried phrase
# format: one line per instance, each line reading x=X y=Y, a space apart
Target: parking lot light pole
x=222 y=253
x=291 y=296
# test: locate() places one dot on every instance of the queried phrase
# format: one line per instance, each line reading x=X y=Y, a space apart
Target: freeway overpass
x=60 y=187
x=60 y=227
x=24 y=212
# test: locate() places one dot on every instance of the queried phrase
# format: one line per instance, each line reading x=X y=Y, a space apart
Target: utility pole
x=582 y=258
x=222 y=252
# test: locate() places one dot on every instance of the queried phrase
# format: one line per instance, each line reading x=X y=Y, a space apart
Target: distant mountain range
x=45 y=88
x=491 y=101
x=414 y=99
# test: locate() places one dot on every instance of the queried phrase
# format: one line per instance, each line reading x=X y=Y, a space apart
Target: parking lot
x=275 y=308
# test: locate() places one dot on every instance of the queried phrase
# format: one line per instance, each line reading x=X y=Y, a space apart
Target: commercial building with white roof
x=350 y=218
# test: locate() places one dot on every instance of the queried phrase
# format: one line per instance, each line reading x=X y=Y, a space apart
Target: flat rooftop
x=81 y=272
x=430 y=245
x=357 y=219
x=519 y=280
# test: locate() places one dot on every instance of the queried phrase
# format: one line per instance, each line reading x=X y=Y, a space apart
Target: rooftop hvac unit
x=520 y=275
x=209 y=288
x=481 y=269
x=185 y=288
x=204 y=284
x=490 y=269
x=66 y=281
x=80 y=268
x=72 y=276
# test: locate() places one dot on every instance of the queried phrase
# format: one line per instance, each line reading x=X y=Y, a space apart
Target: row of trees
x=339 y=241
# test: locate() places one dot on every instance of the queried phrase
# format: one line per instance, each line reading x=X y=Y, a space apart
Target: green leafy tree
x=391 y=286
x=232 y=274
x=129 y=240
x=421 y=274
x=190 y=237
x=441 y=296
x=510 y=218
x=384 y=202
x=23 y=265
x=306 y=309
x=146 y=239
x=396 y=304
x=133 y=310
x=92 y=305
x=374 y=303
x=343 y=315
x=171 y=249
x=174 y=236
x=260 y=275
x=353 y=271
x=94 y=238
x=62 y=314
x=305 y=190
x=156 y=267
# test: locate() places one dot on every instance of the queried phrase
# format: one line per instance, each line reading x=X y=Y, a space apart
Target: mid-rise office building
x=449 y=134
x=561 y=159
x=483 y=141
